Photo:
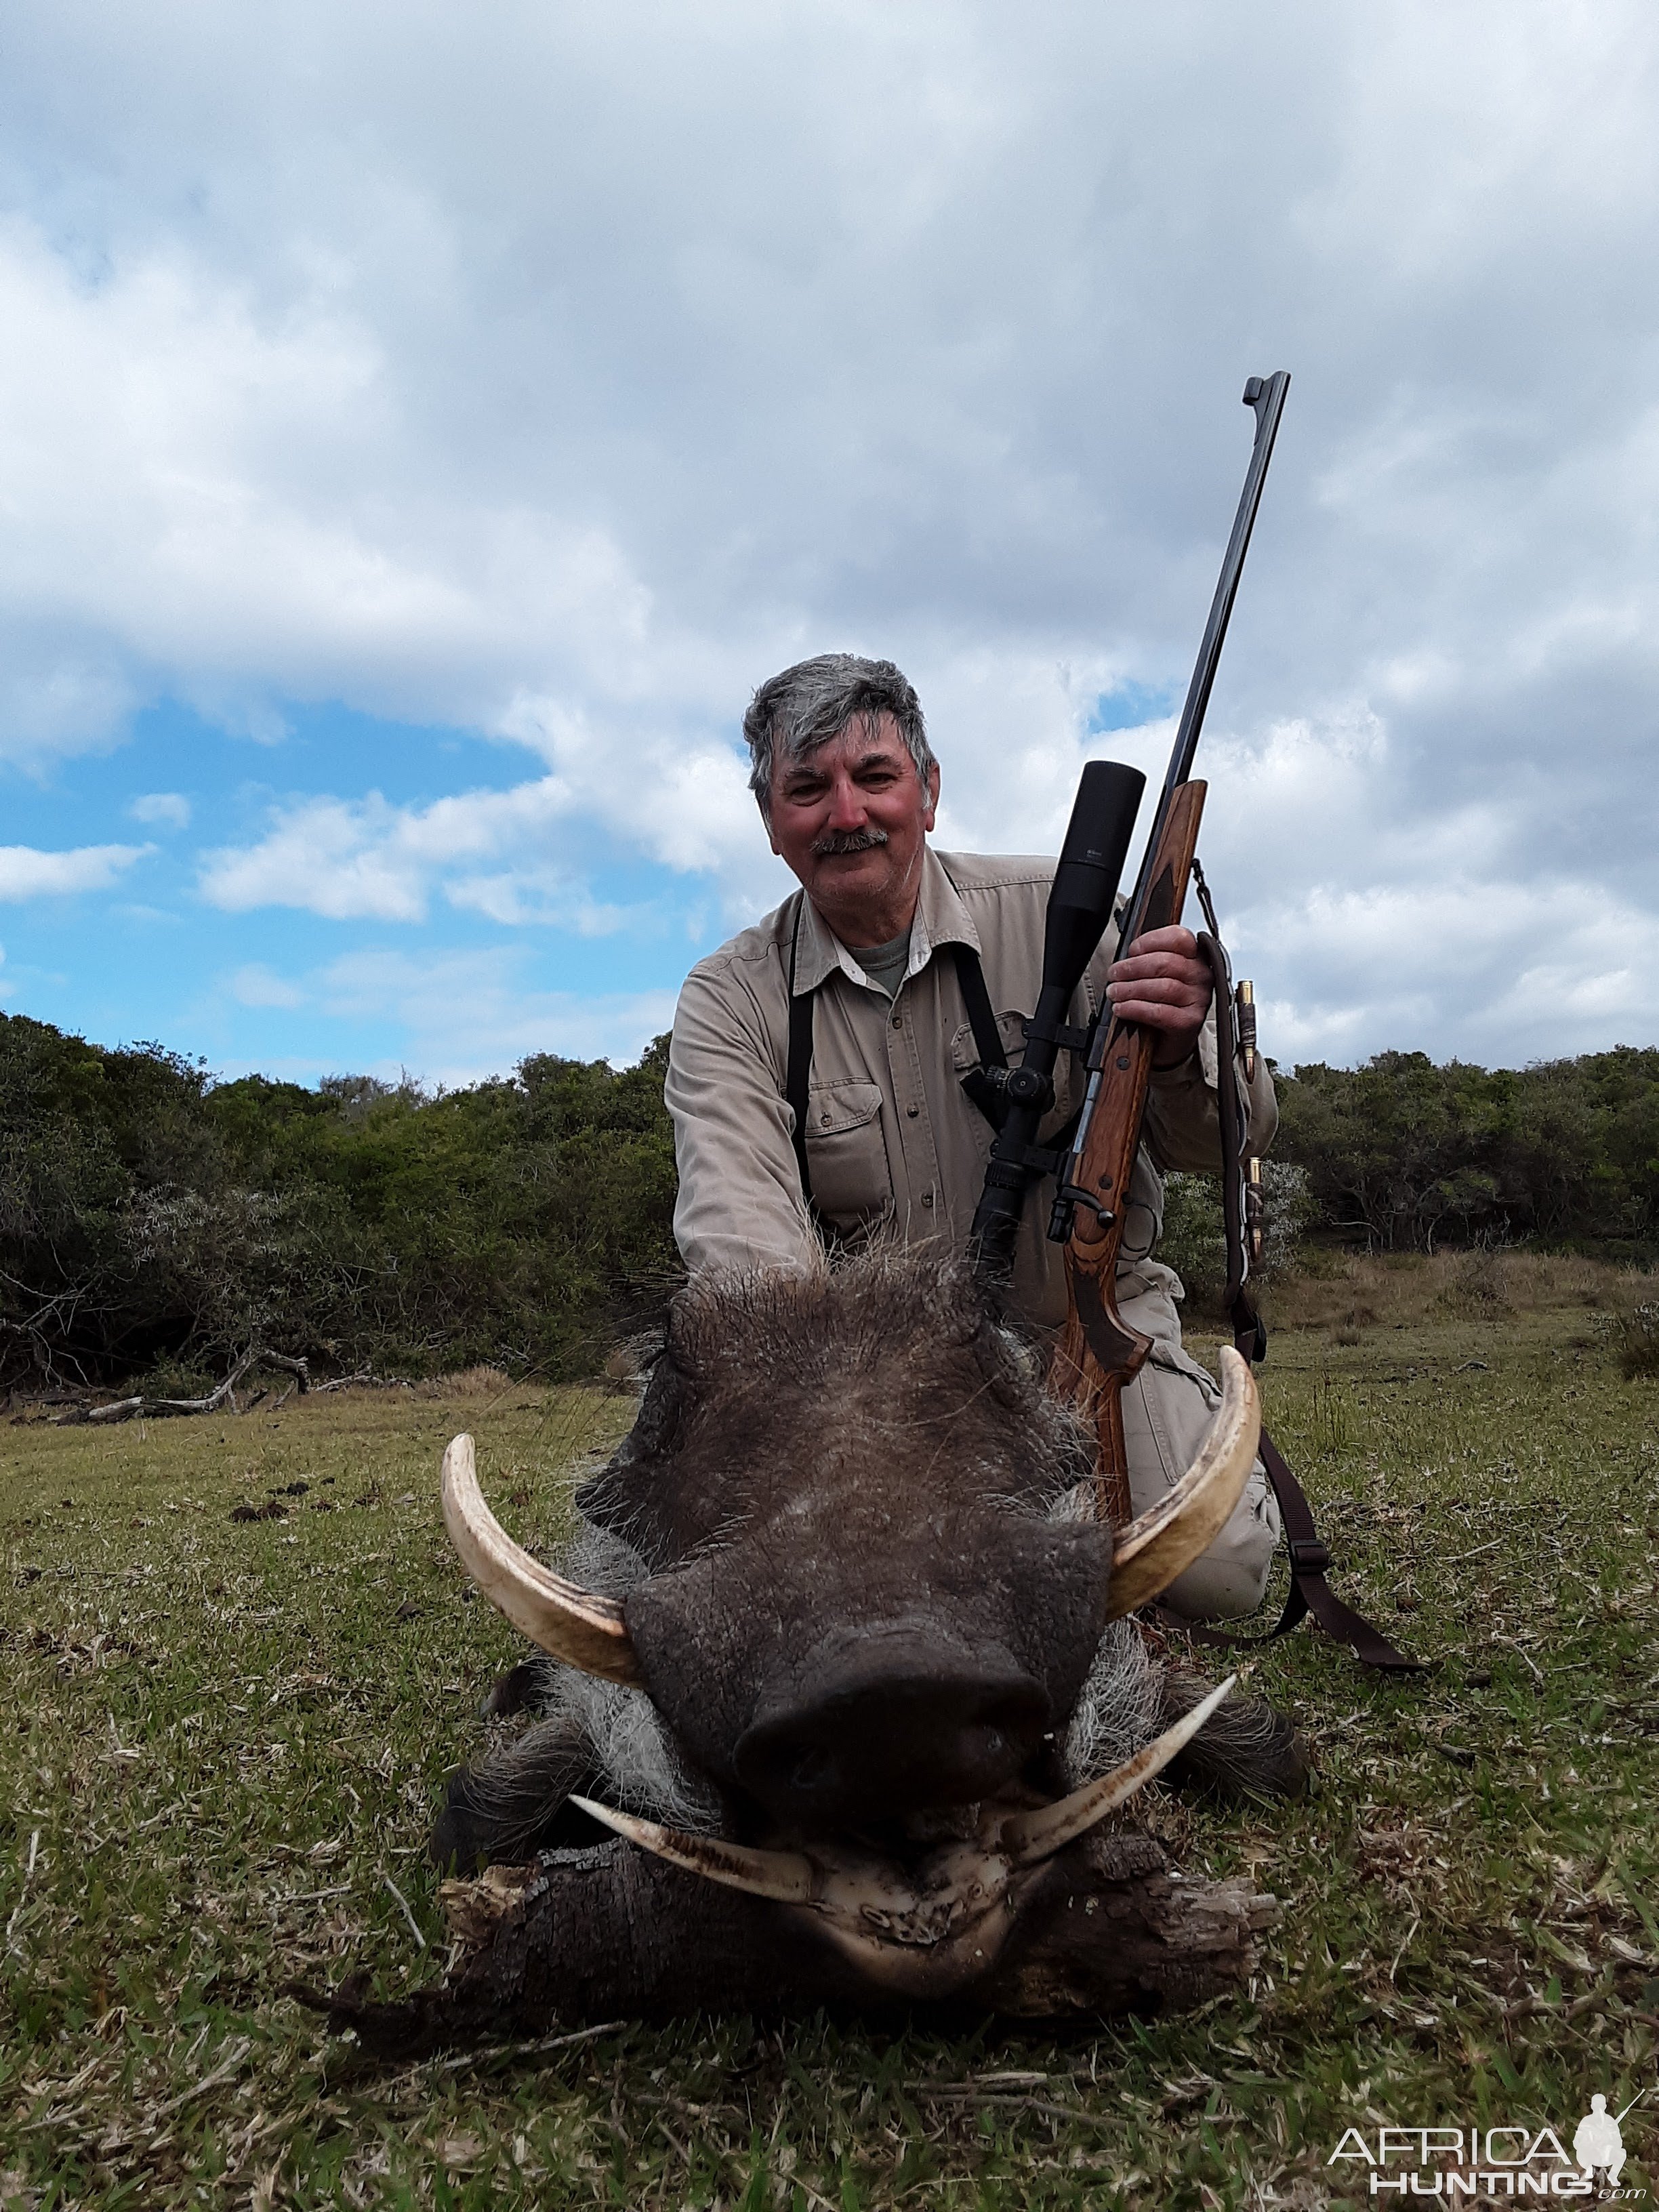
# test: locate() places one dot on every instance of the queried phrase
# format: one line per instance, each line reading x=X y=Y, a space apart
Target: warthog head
x=868 y=1586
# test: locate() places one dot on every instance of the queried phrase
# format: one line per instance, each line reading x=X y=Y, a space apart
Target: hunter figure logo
x=1598 y=2142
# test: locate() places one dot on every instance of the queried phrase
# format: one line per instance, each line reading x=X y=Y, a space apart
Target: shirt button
x=927 y=1198
x=898 y=1021
x=913 y=1111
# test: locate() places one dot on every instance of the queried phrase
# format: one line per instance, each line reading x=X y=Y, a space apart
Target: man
x=865 y=957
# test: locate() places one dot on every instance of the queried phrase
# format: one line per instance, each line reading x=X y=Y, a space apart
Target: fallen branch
x=128 y=1409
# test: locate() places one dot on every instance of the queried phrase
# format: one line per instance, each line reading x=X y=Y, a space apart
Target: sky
x=420 y=428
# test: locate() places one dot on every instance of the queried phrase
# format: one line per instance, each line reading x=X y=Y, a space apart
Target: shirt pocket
x=1010 y=1028
x=847 y=1153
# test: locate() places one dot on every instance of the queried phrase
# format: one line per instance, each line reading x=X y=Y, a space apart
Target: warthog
x=848 y=1668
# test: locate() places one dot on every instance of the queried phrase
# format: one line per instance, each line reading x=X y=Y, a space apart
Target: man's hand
x=1162 y=982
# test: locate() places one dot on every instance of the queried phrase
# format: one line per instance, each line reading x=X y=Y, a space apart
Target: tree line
x=1401 y=1155
x=155 y=1222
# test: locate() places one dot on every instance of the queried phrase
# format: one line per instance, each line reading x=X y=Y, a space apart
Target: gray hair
x=816 y=700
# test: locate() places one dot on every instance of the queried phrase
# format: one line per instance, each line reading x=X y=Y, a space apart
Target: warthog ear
x=1153 y=1550
x=630 y=1494
x=585 y=1631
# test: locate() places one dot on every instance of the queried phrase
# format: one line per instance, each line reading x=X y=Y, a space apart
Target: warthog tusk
x=1029 y=1838
x=584 y=1629
x=915 y=1932
x=1153 y=1550
x=786 y=1876
x=911 y=1929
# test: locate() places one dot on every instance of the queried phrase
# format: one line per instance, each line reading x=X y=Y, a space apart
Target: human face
x=861 y=785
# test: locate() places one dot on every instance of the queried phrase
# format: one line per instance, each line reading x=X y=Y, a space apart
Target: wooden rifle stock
x=1099 y=1354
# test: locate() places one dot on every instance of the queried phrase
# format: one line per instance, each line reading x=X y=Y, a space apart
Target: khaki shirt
x=892 y=1141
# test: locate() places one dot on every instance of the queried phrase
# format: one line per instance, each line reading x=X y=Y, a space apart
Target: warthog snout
x=890 y=1720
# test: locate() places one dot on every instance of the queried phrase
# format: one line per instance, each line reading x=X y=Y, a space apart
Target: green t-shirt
x=885 y=964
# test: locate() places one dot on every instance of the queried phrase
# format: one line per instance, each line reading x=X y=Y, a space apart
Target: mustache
x=847 y=840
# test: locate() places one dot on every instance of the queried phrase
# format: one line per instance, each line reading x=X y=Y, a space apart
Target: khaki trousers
x=1166 y=1410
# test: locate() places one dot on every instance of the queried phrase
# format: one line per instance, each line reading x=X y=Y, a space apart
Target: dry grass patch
x=473 y=1382
x=1636 y=1339
x=1351 y=1295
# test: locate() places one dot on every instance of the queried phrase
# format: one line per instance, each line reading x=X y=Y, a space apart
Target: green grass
x=223 y=1740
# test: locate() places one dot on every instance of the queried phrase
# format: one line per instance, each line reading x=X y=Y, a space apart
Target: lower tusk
x=788 y=1877
x=1029 y=1838
x=1153 y=1550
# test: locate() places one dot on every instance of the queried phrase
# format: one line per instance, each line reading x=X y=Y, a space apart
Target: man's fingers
x=1164 y=996
x=1155 y=1014
x=1161 y=984
x=1136 y=964
x=1171 y=938
x=1172 y=989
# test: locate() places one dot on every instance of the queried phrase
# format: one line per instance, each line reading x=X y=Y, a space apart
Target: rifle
x=1079 y=906
x=1099 y=1352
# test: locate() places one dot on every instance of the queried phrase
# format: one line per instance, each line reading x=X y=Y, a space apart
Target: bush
x=1635 y=1338
x=1194 y=1242
x=1401 y=1155
x=154 y=1221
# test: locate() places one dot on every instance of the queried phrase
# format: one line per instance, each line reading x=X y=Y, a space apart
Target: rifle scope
x=1079 y=906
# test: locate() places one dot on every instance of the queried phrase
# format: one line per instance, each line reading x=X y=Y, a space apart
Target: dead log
x=610 y=1932
x=365 y=1379
x=217 y=1400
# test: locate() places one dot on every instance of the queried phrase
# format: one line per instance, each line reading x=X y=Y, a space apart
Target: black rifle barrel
x=1265 y=394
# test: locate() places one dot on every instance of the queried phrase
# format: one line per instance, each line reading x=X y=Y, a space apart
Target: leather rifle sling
x=1310 y=1559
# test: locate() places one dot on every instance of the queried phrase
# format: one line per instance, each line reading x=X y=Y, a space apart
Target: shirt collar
x=941 y=919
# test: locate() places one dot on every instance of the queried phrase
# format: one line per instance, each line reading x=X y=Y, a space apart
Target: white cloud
x=469 y=1014
x=194 y=502
x=348 y=859
x=170 y=808
x=324 y=854
x=257 y=985
x=1462 y=970
x=59 y=694
x=515 y=896
x=685 y=800
x=25 y=873
x=344 y=370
